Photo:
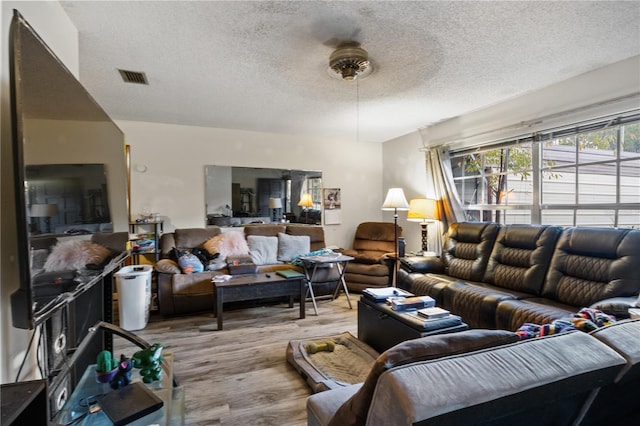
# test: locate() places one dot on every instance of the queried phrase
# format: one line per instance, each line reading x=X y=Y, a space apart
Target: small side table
x=311 y=265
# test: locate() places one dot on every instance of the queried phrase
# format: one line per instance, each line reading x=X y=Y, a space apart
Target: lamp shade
x=43 y=210
x=306 y=200
x=395 y=200
x=422 y=210
x=275 y=203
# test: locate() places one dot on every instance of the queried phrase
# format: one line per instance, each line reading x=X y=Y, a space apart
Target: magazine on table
x=381 y=294
x=221 y=278
x=415 y=302
x=433 y=312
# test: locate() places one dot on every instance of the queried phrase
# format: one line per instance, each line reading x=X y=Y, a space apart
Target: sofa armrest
x=323 y=405
x=165 y=294
x=616 y=306
x=422 y=264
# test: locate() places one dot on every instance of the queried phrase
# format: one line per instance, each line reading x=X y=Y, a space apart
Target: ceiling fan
x=350 y=61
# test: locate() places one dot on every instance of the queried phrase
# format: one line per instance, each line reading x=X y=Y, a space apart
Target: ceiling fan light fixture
x=350 y=61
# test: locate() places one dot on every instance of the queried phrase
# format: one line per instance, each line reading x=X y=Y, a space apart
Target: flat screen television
x=70 y=167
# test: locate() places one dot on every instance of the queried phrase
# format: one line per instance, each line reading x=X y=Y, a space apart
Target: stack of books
x=379 y=295
x=411 y=303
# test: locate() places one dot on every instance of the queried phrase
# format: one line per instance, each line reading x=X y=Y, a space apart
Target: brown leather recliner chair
x=370 y=268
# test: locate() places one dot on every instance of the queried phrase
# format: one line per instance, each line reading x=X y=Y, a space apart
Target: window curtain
x=438 y=164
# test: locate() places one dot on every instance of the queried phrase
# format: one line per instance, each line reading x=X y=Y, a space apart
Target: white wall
x=559 y=104
x=404 y=167
x=53 y=25
x=175 y=156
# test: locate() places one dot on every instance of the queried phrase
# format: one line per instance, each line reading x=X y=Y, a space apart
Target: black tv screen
x=70 y=176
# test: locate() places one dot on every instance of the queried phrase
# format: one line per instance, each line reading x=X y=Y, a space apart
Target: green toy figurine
x=148 y=361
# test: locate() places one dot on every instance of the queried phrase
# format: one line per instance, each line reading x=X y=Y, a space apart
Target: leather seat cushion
x=476 y=302
x=511 y=314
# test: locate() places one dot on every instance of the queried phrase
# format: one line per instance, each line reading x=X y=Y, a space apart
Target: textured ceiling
x=262 y=66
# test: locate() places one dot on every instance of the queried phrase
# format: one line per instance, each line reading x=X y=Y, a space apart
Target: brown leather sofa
x=180 y=293
x=503 y=276
x=372 y=241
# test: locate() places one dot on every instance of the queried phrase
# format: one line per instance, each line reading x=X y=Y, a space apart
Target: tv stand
x=167 y=389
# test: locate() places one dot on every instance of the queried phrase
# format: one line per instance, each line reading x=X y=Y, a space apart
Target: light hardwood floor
x=240 y=376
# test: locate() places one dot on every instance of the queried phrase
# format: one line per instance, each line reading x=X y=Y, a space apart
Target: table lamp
x=395 y=201
x=306 y=201
x=423 y=211
x=274 y=205
x=46 y=211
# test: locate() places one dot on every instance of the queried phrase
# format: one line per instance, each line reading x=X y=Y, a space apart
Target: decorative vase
x=106 y=376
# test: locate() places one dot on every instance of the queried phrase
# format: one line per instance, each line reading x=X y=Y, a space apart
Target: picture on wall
x=332 y=206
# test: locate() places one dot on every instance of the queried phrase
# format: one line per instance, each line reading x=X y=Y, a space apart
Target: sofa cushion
x=592 y=264
x=188 y=238
x=354 y=410
x=262 y=249
x=315 y=233
x=168 y=266
x=290 y=246
x=520 y=257
x=227 y=244
x=269 y=230
x=511 y=314
x=467 y=249
x=378 y=237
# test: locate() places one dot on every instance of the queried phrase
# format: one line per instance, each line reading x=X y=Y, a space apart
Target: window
x=314 y=187
x=588 y=176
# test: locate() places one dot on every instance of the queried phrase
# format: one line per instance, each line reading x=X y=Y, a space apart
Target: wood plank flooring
x=240 y=376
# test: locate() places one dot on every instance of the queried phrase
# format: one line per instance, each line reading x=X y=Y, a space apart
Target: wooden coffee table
x=257 y=286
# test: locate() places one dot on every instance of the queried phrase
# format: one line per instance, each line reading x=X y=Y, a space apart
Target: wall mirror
x=239 y=195
x=70 y=166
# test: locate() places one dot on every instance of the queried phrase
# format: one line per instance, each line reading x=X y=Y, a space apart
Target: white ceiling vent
x=133 y=77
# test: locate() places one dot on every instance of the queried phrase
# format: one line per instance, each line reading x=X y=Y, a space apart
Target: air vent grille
x=135 y=77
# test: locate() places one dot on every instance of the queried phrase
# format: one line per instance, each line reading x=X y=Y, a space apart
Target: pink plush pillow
x=75 y=254
x=230 y=243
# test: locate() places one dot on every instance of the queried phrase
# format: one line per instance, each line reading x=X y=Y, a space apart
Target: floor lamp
x=395 y=201
x=423 y=211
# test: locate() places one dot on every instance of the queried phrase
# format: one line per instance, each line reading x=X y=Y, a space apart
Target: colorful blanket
x=586 y=320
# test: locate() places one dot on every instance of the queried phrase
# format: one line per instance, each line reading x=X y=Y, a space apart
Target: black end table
x=381 y=327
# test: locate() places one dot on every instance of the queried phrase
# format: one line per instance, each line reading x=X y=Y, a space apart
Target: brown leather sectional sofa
x=500 y=277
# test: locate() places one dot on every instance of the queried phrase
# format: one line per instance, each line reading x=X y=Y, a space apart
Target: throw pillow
x=354 y=410
x=290 y=246
x=263 y=250
x=167 y=266
x=75 y=254
x=227 y=244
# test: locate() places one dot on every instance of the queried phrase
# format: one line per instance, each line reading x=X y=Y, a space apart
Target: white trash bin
x=134 y=296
